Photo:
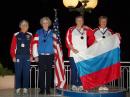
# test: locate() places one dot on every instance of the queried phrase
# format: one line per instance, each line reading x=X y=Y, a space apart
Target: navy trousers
x=75 y=79
x=45 y=65
x=22 y=67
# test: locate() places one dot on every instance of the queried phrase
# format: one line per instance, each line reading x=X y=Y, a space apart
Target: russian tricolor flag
x=100 y=63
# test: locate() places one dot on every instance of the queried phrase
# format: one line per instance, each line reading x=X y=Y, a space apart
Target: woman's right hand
x=36 y=59
x=14 y=59
x=75 y=51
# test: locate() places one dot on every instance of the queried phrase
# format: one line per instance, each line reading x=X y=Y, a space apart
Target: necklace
x=82 y=37
x=45 y=35
x=103 y=33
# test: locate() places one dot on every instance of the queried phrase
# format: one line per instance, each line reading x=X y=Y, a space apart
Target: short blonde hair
x=23 y=21
x=47 y=19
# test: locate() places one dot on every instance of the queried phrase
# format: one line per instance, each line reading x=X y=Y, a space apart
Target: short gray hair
x=47 y=19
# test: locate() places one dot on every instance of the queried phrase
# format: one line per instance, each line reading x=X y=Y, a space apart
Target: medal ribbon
x=80 y=32
x=103 y=33
x=45 y=35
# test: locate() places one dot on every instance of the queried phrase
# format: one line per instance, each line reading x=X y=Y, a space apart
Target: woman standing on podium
x=21 y=54
x=43 y=53
x=100 y=33
x=78 y=38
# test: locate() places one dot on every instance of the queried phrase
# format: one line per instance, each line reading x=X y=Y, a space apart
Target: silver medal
x=22 y=45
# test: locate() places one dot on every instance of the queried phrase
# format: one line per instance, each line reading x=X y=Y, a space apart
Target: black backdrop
x=32 y=10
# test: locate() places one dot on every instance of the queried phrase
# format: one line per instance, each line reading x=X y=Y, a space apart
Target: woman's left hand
x=118 y=34
x=31 y=59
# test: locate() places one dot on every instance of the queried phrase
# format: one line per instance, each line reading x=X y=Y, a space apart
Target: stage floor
x=33 y=93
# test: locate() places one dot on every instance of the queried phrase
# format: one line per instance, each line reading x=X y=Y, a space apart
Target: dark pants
x=45 y=65
x=22 y=67
x=75 y=79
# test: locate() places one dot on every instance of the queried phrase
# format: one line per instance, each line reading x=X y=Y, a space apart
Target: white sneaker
x=80 y=88
x=18 y=91
x=101 y=88
x=74 y=88
x=86 y=91
x=25 y=91
x=105 y=88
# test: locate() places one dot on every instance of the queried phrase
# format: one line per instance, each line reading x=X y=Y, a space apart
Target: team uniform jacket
x=21 y=44
x=73 y=37
x=99 y=33
x=41 y=44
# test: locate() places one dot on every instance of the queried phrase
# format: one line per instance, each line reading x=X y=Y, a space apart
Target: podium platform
x=67 y=93
x=94 y=93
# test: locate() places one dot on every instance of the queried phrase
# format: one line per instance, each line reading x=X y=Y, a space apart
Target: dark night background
x=32 y=10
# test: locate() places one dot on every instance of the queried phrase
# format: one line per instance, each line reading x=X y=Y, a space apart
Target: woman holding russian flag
x=78 y=38
x=101 y=33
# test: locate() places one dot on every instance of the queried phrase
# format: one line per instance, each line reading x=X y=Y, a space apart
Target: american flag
x=60 y=78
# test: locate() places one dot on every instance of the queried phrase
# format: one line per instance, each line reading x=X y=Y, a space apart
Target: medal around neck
x=103 y=37
x=82 y=33
x=44 y=40
x=22 y=45
x=82 y=37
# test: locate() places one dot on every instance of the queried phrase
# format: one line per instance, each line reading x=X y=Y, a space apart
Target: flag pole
x=58 y=42
x=55 y=10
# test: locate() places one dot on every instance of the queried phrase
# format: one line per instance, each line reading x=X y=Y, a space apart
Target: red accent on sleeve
x=68 y=40
x=13 y=47
x=35 y=41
